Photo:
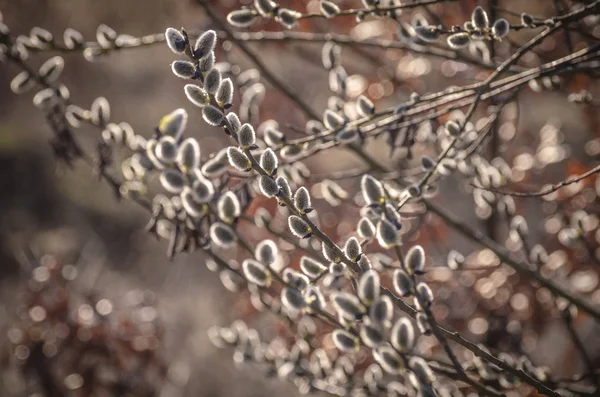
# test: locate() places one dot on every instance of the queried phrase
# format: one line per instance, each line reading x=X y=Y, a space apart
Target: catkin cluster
x=362 y=304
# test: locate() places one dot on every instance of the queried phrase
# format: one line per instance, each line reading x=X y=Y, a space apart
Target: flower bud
x=302 y=200
x=420 y=368
x=402 y=283
x=184 y=69
x=332 y=120
x=222 y=235
x=387 y=234
x=197 y=95
x=172 y=181
x=311 y=267
x=288 y=18
x=224 y=95
x=371 y=334
x=329 y=253
x=100 y=112
x=292 y=299
x=72 y=38
x=22 y=83
x=228 y=207
x=329 y=9
x=51 y=69
x=381 y=310
x=212 y=81
x=458 y=40
x=242 y=18
x=266 y=252
x=425 y=294
x=175 y=40
x=256 y=273
x=299 y=227
x=364 y=106
x=173 y=124
x=238 y=159
x=213 y=116
x=344 y=341
x=368 y=287
x=427 y=33
x=423 y=323
x=389 y=360
x=268 y=186
x=166 y=150
x=372 y=190
x=415 y=260
x=479 y=18
x=188 y=155
x=403 y=335
x=269 y=162
x=347 y=305
x=205 y=44
x=246 y=136
x=353 y=249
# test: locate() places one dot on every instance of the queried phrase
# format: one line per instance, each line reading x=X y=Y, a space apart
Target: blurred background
x=48 y=208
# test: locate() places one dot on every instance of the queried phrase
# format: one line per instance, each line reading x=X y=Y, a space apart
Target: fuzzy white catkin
x=172 y=181
x=364 y=106
x=302 y=200
x=268 y=161
x=288 y=18
x=425 y=294
x=191 y=204
x=428 y=34
x=222 y=235
x=458 y=40
x=500 y=28
x=344 y=341
x=479 y=18
x=372 y=190
x=207 y=63
x=366 y=228
x=311 y=267
x=381 y=310
x=329 y=253
x=242 y=18
x=453 y=128
x=314 y=297
x=420 y=367
x=347 y=305
x=347 y=135
x=387 y=234
x=184 y=69
x=213 y=115
x=212 y=81
x=246 y=136
x=197 y=95
x=205 y=44
x=402 y=335
x=368 y=287
x=272 y=136
x=389 y=359
x=265 y=7
x=266 y=252
x=423 y=323
x=402 y=282
x=238 y=159
x=256 y=272
x=371 y=334
x=105 y=35
x=353 y=249
x=295 y=279
x=284 y=186
x=415 y=259
x=175 y=40
x=233 y=122
x=224 y=95
x=204 y=189
x=332 y=192
x=292 y=299
x=328 y=8
x=299 y=227
x=228 y=207
x=268 y=186
x=166 y=149
x=332 y=120
x=188 y=155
